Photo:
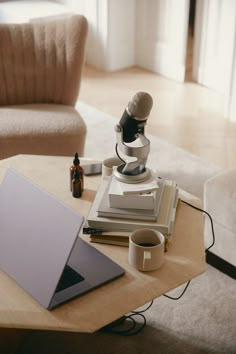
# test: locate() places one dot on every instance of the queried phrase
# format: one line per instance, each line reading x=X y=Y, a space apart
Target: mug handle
x=146 y=255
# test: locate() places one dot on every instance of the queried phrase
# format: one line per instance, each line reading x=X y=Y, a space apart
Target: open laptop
x=40 y=247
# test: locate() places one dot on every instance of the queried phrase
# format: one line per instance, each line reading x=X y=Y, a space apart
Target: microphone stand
x=132 y=171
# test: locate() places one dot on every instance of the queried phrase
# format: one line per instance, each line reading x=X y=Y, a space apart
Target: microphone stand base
x=139 y=178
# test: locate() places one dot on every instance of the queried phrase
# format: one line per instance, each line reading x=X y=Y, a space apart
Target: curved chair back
x=41 y=61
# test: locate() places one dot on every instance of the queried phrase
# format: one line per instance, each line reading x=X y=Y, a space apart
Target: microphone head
x=141 y=105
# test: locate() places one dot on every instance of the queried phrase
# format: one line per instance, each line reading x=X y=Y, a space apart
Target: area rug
x=202 y=321
x=189 y=171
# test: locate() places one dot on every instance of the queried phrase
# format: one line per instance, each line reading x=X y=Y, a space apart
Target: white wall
x=22 y=11
x=120 y=34
x=214 y=38
x=161 y=36
x=111 y=38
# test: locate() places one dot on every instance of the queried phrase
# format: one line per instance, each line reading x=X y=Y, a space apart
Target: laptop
x=40 y=247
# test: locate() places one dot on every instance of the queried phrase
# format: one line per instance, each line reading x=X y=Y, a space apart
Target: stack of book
x=118 y=209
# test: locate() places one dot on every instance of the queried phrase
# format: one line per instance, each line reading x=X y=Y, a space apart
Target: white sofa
x=220 y=203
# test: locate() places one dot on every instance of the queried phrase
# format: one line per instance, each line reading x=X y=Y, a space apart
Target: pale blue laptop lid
x=39 y=236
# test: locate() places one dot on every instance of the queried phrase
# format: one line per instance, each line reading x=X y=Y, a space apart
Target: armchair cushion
x=45 y=129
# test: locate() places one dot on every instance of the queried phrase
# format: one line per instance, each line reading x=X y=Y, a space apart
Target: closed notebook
x=112 y=240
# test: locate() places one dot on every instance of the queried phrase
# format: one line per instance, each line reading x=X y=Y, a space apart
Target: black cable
x=206 y=250
x=142 y=311
x=177 y=298
x=140 y=328
x=134 y=328
x=112 y=327
x=212 y=227
x=117 y=153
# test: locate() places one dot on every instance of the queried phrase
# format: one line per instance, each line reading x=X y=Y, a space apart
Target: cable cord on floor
x=206 y=250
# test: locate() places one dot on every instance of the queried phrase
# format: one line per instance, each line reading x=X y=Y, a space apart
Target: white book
x=104 y=209
x=165 y=218
x=138 y=200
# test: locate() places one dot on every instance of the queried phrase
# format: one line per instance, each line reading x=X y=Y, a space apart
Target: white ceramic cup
x=146 y=249
x=109 y=164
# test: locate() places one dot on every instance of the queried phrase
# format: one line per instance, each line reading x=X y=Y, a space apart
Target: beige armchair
x=40 y=73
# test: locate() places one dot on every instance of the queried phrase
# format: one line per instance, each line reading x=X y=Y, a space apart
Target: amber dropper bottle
x=76 y=185
x=76 y=166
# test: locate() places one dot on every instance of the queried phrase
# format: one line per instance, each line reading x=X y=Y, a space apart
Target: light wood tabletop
x=184 y=260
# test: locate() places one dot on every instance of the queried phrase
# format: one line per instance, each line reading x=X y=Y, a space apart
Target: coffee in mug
x=146 y=244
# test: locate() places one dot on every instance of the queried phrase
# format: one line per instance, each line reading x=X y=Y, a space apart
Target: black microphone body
x=135 y=116
x=131 y=127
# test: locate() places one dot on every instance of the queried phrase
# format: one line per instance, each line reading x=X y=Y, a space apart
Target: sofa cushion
x=41 y=129
x=220 y=198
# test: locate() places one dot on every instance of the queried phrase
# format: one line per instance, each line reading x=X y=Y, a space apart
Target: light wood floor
x=187 y=115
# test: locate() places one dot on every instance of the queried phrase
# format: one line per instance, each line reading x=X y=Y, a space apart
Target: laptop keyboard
x=69 y=277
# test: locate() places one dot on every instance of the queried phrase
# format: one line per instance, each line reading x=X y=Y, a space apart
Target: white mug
x=109 y=164
x=146 y=249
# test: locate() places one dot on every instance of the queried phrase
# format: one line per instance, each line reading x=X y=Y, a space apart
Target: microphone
x=135 y=116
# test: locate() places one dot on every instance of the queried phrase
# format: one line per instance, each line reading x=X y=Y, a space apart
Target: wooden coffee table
x=184 y=260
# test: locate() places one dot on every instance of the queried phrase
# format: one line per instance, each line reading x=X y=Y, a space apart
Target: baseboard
x=221 y=264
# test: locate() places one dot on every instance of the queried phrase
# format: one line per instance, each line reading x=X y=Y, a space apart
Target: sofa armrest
x=220 y=203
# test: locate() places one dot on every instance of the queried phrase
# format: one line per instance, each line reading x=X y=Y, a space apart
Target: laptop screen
x=37 y=235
